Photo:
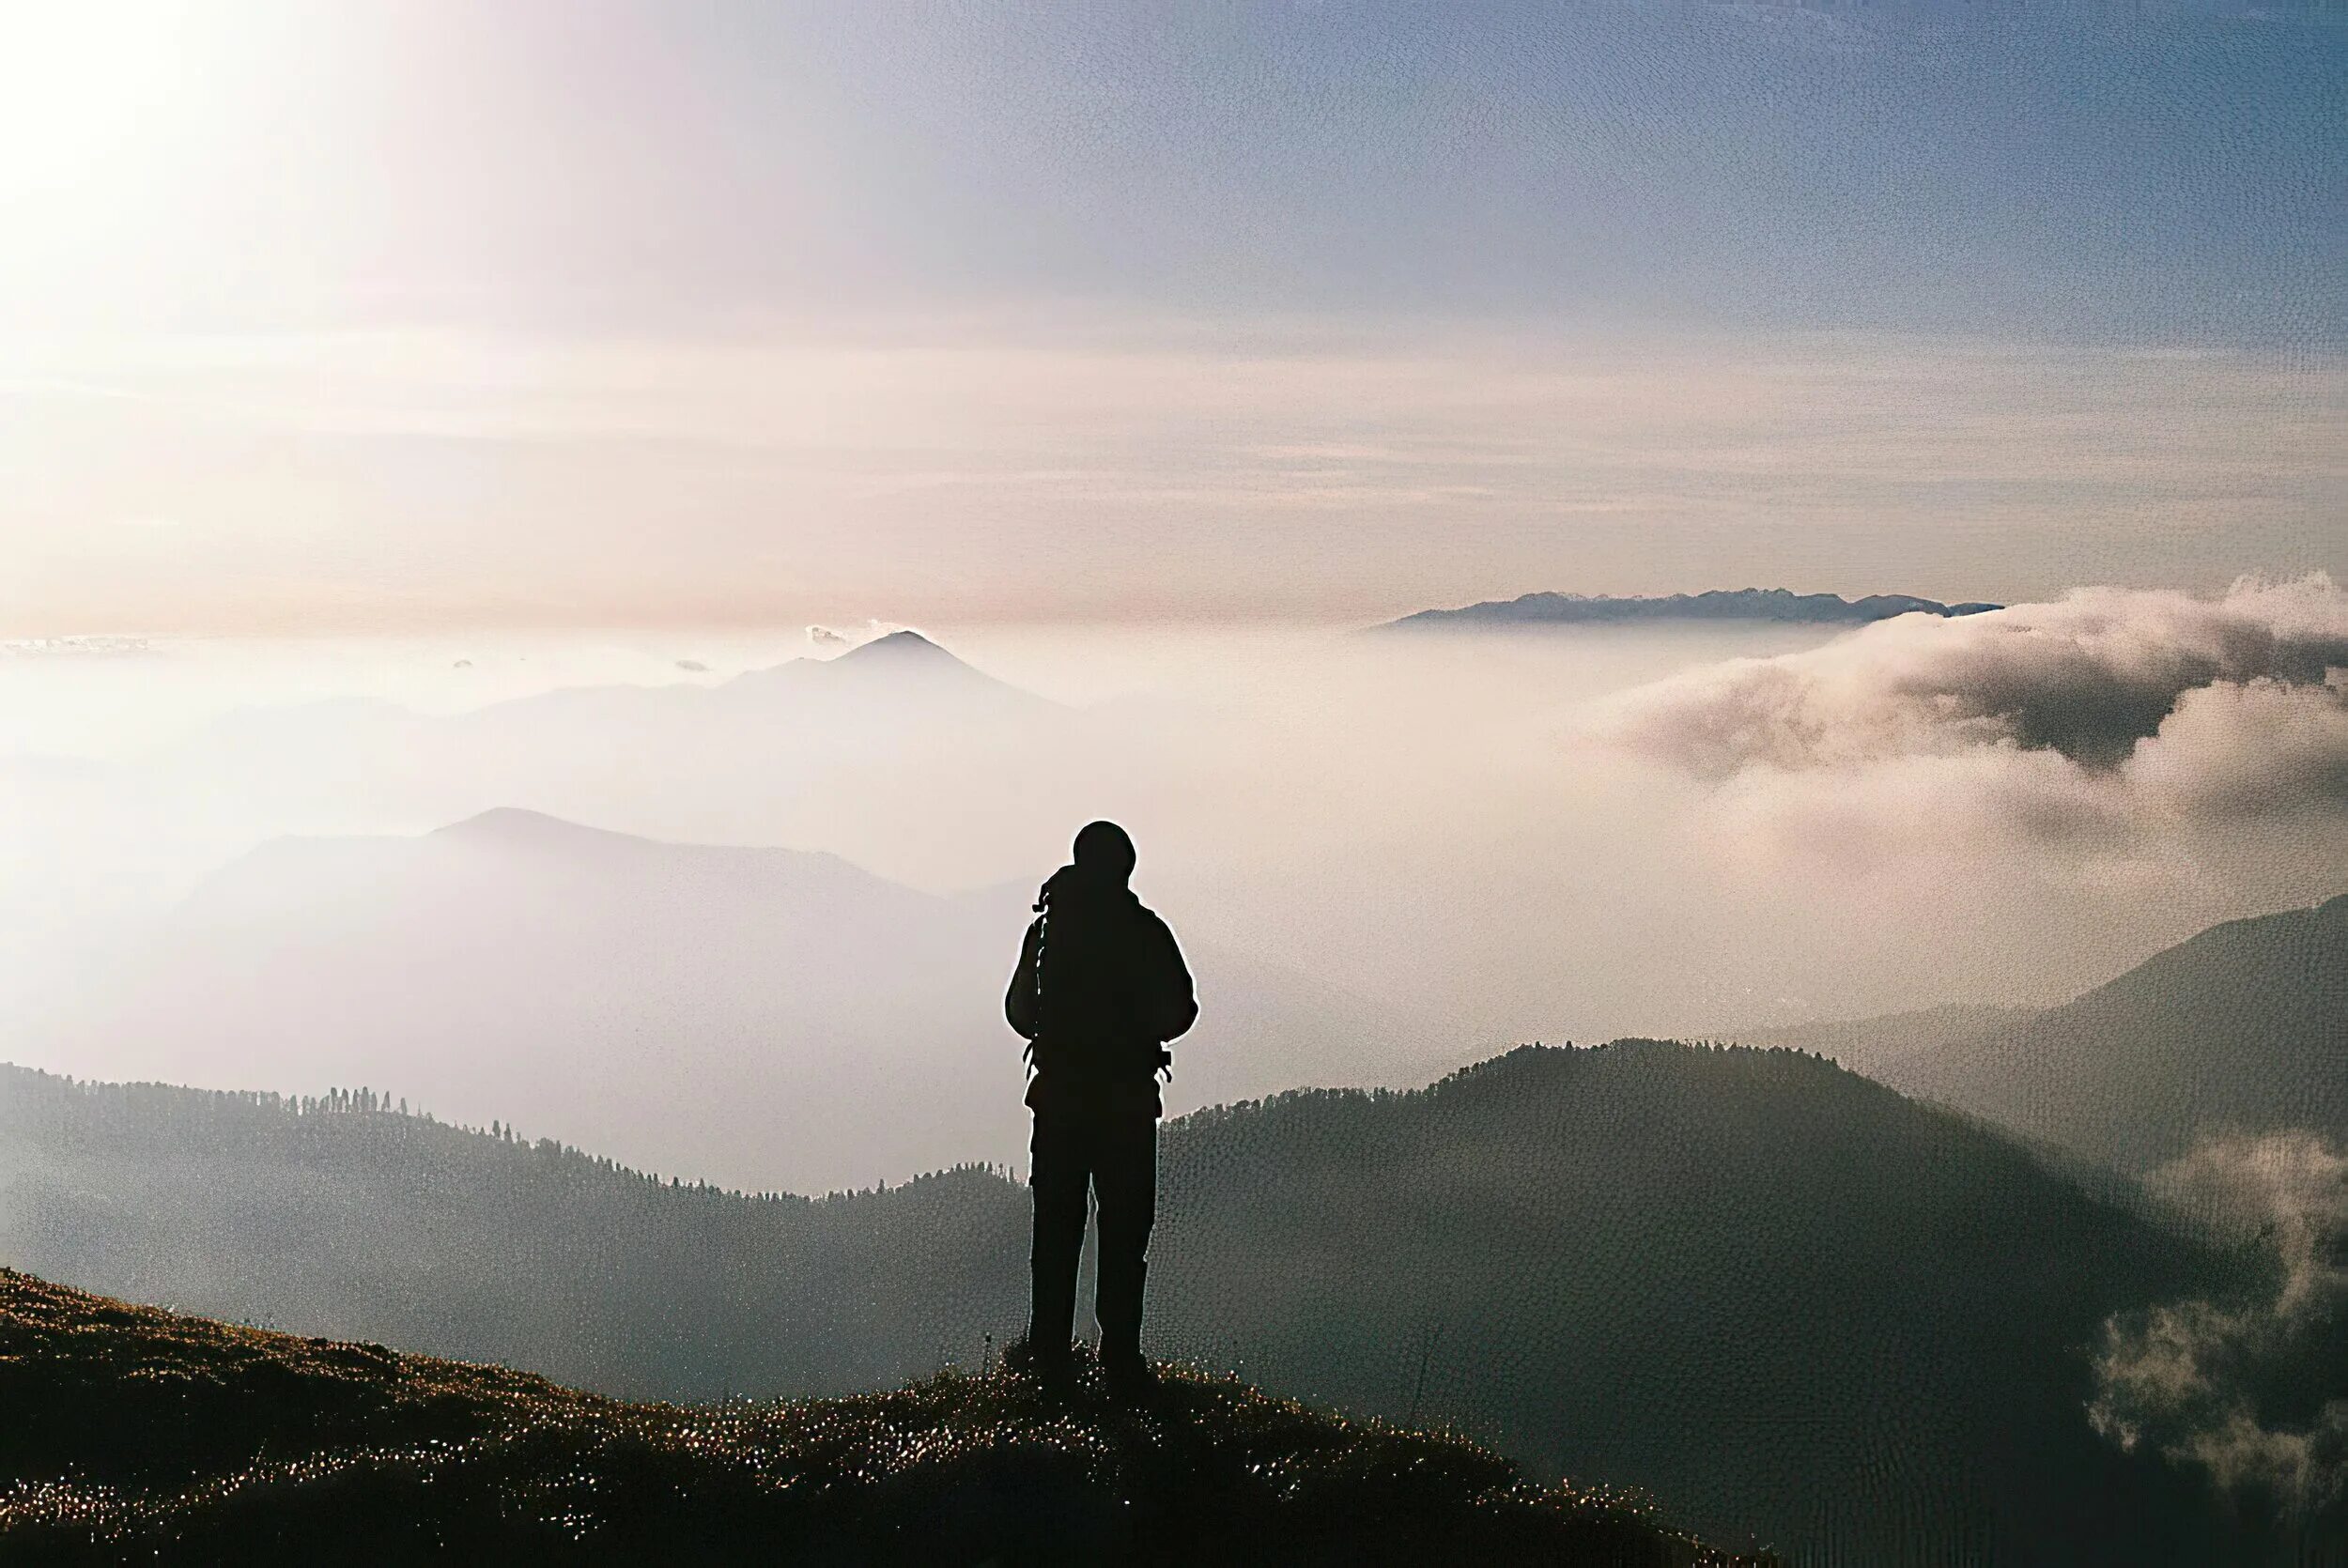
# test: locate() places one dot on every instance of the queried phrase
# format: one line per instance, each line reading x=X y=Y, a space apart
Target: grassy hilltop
x=133 y=1431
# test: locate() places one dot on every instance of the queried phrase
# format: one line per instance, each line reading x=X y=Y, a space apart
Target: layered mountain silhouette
x=901 y=676
x=1783 y=1296
x=893 y=685
x=140 y=1433
x=898 y=754
x=2241 y=1030
x=1740 y=603
x=1864 y=1044
x=765 y=1017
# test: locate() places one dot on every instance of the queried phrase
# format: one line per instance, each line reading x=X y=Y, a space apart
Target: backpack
x=1098 y=993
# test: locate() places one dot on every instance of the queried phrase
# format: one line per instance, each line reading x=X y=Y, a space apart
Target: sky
x=390 y=318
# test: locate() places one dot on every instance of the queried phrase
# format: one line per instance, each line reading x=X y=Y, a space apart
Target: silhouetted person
x=1101 y=988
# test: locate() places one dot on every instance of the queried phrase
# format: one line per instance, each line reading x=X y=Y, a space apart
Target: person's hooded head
x=1103 y=865
x=1104 y=852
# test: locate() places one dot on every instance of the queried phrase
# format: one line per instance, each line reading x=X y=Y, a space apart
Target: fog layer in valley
x=1388 y=854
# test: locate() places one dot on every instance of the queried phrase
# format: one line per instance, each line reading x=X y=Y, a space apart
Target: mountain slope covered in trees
x=137 y=1433
x=1864 y=1044
x=2240 y=1030
x=1782 y=1297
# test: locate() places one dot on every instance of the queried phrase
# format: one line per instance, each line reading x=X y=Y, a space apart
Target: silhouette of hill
x=134 y=1432
x=897 y=656
x=894 y=679
x=766 y=1017
x=1864 y=1044
x=799 y=751
x=897 y=688
x=2242 y=1029
x=1740 y=603
x=1783 y=1296
x=1594 y=1254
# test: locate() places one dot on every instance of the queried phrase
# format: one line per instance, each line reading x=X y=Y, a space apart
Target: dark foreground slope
x=134 y=1432
x=1779 y=1295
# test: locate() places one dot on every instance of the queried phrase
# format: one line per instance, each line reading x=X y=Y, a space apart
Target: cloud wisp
x=828 y=640
x=2108 y=718
x=2254 y=1395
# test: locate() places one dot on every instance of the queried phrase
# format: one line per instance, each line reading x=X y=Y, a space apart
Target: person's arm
x=1178 y=997
x=1019 y=1002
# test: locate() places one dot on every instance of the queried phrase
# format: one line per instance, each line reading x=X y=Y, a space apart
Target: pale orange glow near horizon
x=403 y=482
x=383 y=317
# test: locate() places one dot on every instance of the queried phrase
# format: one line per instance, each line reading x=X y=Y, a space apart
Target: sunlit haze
x=414 y=411
x=1167 y=781
x=396 y=318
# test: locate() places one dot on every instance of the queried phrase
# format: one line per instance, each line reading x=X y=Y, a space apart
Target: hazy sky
x=389 y=316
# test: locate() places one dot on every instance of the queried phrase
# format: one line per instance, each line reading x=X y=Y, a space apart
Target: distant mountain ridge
x=1740 y=604
x=897 y=753
x=903 y=667
x=772 y=1017
x=1864 y=1044
x=2242 y=1029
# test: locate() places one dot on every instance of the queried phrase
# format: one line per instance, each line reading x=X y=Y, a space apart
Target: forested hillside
x=1780 y=1296
x=2241 y=1030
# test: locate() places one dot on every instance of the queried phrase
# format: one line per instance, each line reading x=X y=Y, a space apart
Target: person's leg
x=1059 y=1173
x=1125 y=1174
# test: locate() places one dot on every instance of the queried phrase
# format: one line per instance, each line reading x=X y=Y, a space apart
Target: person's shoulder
x=1151 y=920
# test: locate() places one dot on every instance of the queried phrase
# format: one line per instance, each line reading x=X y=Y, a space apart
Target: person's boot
x=1051 y=1368
x=1128 y=1377
x=1123 y=1368
x=1043 y=1352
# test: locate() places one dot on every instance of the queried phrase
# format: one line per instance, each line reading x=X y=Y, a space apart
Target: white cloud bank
x=2106 y=720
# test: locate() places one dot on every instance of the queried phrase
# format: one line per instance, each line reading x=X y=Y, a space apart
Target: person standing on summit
x=1100 y=990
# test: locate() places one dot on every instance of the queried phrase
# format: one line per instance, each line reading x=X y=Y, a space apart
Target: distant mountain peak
x=1778 y=605
x=900 y=645
x=897 y=653
x=519 y=825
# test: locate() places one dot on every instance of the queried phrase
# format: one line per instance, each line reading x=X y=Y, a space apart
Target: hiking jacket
x=1100 y=988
